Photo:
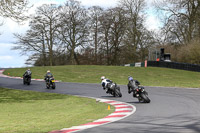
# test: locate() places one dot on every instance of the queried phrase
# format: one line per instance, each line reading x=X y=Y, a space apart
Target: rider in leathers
x=132 y=84
x=27 y=73
x=48 y=76
x=106 y=84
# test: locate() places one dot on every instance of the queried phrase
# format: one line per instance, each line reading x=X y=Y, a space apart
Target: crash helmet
x=102 y=77
x=48 y=71
x=130 y=78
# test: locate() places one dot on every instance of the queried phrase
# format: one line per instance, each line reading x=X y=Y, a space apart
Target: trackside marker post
x=108 y=107
x=145 y=64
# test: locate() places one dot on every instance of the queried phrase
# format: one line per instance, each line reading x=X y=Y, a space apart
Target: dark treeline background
x=73 y=34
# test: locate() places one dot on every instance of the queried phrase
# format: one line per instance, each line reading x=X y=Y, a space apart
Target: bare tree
x=181 y=28
x=42 y=36
x=136 y=36
x=48 y=16
x=74 y=31
x=94 y=13
x=14 y=9
x=118 y=29
x=105 y=49
x=181 y=19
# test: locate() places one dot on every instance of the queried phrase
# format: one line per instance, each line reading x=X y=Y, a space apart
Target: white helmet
x=48 y=71
x=102 y=77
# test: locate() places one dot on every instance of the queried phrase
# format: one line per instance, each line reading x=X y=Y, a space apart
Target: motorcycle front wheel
x=118 y=93
x=47 y=85
x=145 y=98
x=53 y=86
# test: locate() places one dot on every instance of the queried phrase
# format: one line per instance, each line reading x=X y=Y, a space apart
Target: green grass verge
x=150 y=76
x=36 y=112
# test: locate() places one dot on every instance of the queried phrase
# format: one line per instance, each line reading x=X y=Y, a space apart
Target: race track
x=172 y=110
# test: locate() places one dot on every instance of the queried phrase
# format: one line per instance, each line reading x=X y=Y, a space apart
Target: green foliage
x=36 y=112
x=150 y=76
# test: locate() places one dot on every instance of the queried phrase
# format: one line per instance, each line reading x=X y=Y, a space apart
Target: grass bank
x=150 y=76
x=36 y=112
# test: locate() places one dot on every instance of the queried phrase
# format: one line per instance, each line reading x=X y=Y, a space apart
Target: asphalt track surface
x=172 y=110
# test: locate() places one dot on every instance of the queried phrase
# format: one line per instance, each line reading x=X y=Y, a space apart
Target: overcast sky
x=11 y=58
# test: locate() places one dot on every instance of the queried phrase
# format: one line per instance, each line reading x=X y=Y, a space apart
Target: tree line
x=73 y=34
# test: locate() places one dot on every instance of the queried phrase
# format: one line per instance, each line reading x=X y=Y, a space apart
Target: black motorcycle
x=140 y=92
x=50 y=83
x=114 y=90
x=142 y=95
x=27 y=79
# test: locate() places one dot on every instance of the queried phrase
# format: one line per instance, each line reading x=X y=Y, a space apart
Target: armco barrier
x=175 y=65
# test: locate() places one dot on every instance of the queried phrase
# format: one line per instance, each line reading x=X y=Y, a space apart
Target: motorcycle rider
x=106 y=84
x=27 y=73
x=48 y=75
x=132 y=84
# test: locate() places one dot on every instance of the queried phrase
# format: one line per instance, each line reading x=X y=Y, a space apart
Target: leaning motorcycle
x=50 y=83
x=27 y=79
x=140 y=93
x=114 y=90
